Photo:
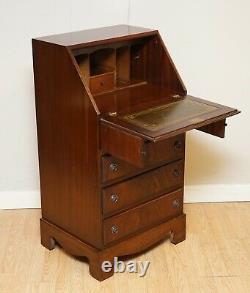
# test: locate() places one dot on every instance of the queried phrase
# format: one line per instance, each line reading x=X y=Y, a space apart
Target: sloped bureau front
x=112 y=114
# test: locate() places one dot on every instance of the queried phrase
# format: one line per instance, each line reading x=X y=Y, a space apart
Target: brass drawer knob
x=176 y=173
x=114 y=198
x=177 y=144
x=113 y=167
x=176 y=203
x=114 y=229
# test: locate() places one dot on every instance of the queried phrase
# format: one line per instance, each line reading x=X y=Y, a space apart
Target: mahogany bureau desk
x=112 y=113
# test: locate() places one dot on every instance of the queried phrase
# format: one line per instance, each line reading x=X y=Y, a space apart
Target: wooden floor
x=214 y=258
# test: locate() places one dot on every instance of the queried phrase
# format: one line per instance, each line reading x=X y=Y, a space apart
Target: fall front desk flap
x=165 y=120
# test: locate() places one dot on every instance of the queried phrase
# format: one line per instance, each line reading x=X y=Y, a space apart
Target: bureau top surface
x=97 y=35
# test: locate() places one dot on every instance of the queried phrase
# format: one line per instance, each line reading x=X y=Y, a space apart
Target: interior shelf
x=83 y=63
x=123 y=66
x=111 y=69
x=102 y=61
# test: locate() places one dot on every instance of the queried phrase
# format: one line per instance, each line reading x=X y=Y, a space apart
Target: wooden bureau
x=112 y=113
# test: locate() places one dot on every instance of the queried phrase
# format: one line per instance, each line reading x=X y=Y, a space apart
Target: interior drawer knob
x=113 y=167
x=176 y=203
x=114 y=198
x=114 y=229
x=177 y=144
x=176 y=173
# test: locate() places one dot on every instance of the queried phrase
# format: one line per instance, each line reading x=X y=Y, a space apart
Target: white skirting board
x=20 y=199
x=193 y=193
x=217 y=193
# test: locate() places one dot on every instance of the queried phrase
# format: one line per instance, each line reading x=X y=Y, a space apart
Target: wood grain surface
x=214 y=258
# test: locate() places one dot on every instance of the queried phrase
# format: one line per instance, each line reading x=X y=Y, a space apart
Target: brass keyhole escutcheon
x=177 y=144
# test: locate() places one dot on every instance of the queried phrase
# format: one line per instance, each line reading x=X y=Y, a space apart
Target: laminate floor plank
x=214 y=258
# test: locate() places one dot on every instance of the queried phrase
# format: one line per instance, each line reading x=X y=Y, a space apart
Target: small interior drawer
x=143 y=187
x=136 y=150
x=143 y=216
x=101 y=83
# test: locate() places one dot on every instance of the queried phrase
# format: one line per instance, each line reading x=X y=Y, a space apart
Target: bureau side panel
x=67 y=144
x=162 y=70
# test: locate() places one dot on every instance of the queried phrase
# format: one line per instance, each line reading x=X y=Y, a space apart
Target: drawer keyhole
x=114 y=198
x=114 y=229
x=177 y=145
x=176 y=173
x=113 y=167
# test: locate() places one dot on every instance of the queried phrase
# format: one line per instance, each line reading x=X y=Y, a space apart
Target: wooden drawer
x=143 y=216
x=137 y=151
x=156 y=153
x=102 y=82
x=114 y=168
x=142 y=187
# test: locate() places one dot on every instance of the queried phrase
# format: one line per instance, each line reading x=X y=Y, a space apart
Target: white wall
x=19 y=22
x=208 y=40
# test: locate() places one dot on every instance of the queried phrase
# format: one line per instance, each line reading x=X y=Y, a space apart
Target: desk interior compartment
x=125 y=60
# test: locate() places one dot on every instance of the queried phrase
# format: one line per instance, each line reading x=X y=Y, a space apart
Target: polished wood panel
x=68 y=145
x=83 y=63
x=136 y=150
x=102 y=82
x=169 y=73
x=123 y=65
x=164 y=151
x=138 y=61
x=143 y=187
x=156 y=154
x=121 y=144
x=166 y=128
x=133 y=97
x=113 y=93
x=143 y=216
x=216 y=128
x=162 y=71
x=51 y=234
x=97 y=36
x=102 y=60
x=114 y=168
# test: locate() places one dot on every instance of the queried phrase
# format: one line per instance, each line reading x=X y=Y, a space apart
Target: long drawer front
x=142 y=188
x=154 y=154
x=143 y=216
x=137 y=151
